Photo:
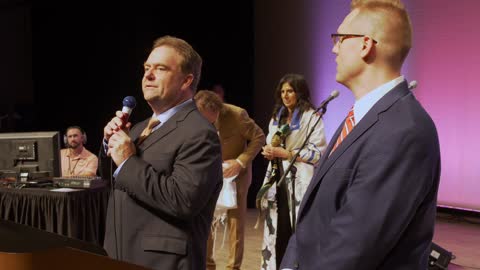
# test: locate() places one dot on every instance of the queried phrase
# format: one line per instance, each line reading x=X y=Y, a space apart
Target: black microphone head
x=129 y=102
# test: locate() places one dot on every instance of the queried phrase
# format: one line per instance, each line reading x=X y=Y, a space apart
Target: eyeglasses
x=339 y=38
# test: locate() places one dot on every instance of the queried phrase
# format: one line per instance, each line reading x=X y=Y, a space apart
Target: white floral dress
x=299 y=127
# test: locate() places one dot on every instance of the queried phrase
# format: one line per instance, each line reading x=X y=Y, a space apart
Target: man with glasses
x=371 y=203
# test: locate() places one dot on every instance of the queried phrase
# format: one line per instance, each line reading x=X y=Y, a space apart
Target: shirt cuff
x=241 y=163
x=115 y=173
x=105 y=146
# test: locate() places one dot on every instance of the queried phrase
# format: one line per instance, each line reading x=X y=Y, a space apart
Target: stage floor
x=459 y=235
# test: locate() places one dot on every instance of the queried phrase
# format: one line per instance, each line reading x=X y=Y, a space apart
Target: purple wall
x=444 y=60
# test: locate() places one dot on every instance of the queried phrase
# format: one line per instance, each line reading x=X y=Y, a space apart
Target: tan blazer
x=241 y=139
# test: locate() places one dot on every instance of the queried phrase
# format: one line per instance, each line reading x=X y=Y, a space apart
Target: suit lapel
x=167 y=127
x=137 y=130
x=328 y=161
x=366 y=123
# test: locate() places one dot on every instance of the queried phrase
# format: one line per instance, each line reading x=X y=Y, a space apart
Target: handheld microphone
x=284 y=130
x=323 y=105
x=281 y=133
x=412 y=85
x=129 y=103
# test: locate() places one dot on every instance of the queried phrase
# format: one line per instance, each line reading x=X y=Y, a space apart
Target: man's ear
x=187 y=82
x=367 y=47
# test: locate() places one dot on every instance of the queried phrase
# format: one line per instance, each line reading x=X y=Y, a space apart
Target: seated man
x=76 y=159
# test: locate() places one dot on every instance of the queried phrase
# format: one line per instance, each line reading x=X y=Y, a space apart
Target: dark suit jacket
x=372 y=203
x=165 y=196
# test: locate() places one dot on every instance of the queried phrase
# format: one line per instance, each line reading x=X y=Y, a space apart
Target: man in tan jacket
x=241 y=139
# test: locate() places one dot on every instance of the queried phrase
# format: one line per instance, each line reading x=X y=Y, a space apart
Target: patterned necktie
x=347 y=128
x=148 y=130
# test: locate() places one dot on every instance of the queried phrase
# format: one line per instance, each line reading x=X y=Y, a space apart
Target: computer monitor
x=30 y=155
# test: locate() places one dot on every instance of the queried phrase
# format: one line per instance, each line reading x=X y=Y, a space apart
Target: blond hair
x=356 y=3
x=390 y=26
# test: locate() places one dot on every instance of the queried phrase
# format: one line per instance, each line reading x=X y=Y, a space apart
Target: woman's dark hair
x=300 y=86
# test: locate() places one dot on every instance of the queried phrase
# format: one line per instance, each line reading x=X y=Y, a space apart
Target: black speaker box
x=439 y=258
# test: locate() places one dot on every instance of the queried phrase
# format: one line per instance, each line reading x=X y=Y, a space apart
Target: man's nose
x=335 y=48
x=149 y=75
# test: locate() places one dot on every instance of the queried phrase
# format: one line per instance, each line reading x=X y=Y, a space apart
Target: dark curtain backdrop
x=71 y=63
x=16 y=84
x=88 y=57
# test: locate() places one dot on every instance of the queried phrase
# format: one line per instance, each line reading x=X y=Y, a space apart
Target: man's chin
x=339 y=79
x=150 y=97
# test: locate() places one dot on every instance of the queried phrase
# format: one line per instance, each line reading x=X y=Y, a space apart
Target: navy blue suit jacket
x=372 y=203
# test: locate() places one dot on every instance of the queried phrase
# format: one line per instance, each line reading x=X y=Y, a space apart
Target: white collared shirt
x=163 y=117
x=364 y=104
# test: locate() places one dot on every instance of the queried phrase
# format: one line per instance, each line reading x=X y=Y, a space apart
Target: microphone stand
x=293 y=173
x=321 y=111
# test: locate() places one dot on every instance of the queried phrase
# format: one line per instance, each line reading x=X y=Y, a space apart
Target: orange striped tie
x=347 y=128
x=151 y=124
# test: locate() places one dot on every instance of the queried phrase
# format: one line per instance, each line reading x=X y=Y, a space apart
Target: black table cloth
x=76 y=214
